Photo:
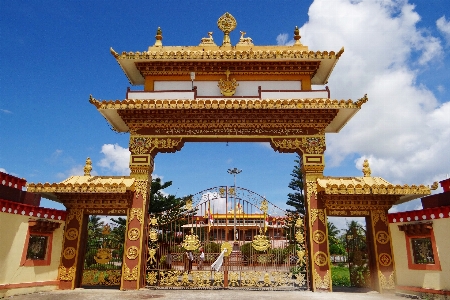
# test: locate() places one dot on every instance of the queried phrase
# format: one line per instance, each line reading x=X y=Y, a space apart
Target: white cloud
x=3 y=170
x=116 y=159
x=444 y=27
x=6 y=111
x=403 y=129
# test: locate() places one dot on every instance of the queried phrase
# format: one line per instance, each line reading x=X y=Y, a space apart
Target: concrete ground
x=103 y=294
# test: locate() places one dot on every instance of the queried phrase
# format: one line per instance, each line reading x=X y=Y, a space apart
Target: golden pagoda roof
x=343 y=110
x=370 y=186
x=242 y=58
x=83 y=184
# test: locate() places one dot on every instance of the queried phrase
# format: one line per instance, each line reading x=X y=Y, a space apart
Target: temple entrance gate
x=103 y=255
x=264 y=247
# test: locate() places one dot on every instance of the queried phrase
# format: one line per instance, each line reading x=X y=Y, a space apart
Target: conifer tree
x=296 y=199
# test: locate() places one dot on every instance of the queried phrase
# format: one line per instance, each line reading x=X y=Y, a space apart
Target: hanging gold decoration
x=191 y=242
x=154 y=221
x=228 y=87
x=106 y=229
x=299 y=237
x=260 y=242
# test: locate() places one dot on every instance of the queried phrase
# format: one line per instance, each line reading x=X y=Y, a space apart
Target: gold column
x=311 y=149
x=143 y=150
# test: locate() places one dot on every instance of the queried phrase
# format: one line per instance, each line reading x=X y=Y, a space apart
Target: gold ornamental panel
x=319 y=236
x=132 y=252
x=382 y=237
x=153 y=235
x=134 y=234
x=66 y=274
x=384 y=259
x=103 y=256
x=128 y=274
x=69 y=253
x=320 y=258
x=71 y=234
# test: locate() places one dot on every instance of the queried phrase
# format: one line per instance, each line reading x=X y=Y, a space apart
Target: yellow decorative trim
x=128 y=274
x=69 y=253
x=233 y=278
x=71 y=234
x=66 y=274
x=132 y=252
x=140 y=104
x=319 y=283
x=319 y=236
x=310 y=144
x=137 y=212
x=146 y=145
x=259 y=52
x=386 y=284
x=134 y=234
x=320 y=258
x=369 y=186
x=384 y=259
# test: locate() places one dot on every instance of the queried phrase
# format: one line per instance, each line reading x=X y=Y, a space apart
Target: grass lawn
x=340 y=276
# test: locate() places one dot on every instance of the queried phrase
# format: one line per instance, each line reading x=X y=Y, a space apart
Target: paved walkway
x=103 y=294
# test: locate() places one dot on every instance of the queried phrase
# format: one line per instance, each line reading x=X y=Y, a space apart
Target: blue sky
x=54 y=54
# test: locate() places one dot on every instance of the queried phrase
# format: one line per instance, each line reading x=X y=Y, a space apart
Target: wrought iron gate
x=358 y=257
x=261 y=246
x=103 y=257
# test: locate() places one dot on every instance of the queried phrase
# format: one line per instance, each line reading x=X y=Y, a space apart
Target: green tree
x=95 y=227
x=336 y=245
x=296 y=199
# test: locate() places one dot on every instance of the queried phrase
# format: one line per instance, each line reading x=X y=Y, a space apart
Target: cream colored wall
x=428 y=279
x=13 y=232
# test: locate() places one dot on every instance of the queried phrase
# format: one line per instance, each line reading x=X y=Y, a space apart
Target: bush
x=340 y=276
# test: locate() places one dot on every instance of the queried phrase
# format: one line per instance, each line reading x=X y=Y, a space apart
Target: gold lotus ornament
x=191 y=241
x=260 y=242
x=103 y=256
x=228 y=87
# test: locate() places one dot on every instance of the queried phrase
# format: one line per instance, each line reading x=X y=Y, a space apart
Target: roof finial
x=158 y=36
x=88 y=167
x=226 y=23
x=366 y=169
x=297 y=36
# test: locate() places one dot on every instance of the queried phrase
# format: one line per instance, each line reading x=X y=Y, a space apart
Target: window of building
x=422 y=250
x=421 y=246
x=37 y=249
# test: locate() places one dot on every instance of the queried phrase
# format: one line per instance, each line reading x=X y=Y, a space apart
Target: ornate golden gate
x=246 y=242
x=103 y=257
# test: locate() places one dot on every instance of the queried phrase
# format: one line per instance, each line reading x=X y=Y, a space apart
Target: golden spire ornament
x=227 y=23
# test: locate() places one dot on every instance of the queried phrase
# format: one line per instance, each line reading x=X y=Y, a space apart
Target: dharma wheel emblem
x=226 y=23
